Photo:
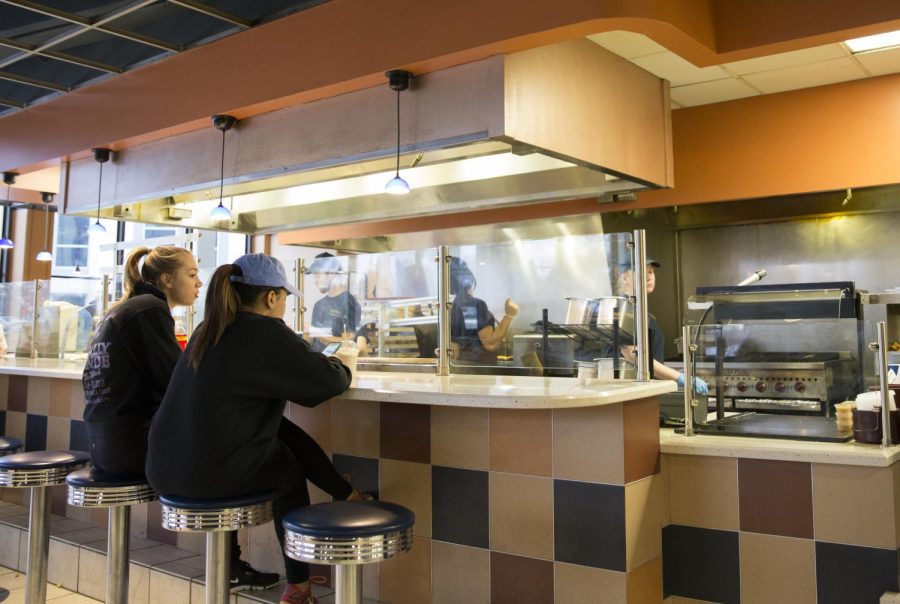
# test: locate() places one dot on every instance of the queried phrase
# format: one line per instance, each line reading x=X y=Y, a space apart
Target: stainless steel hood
x=510 y=130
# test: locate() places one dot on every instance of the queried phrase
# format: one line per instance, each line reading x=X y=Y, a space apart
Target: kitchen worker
x=625 y=287
x=475 y=334
x=336 y=316
x=220 y=430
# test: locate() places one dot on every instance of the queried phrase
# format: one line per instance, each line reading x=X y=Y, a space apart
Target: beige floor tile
x=408 y=484
x=574 y=584
x=138 y=584
x=406 y=579
x=460 y=437
x=460 y=574
x=777 y=570
x=167 y=589
x=355 y=428
x=856 y=505
x=588 y=444
x=74 y=599
x=62 y=565
x=9 y=546
x=92 y=574
x=703 y=491
x=644 y=504
x=521 y=515
x=12 y=580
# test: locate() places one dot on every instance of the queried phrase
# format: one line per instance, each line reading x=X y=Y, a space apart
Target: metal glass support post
x=881 y=328
x=38 y=546
x=117 y=548
x=105 y=304
x=300 y=302
x=639 y=262
x=35 y=317
x=443 y=260
x=218 y=551
x=689 y=401
x=348 y=584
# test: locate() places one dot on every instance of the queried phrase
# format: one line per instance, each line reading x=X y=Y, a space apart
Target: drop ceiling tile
x=717 y=91
x=880 y=62
x=678 y=71
x=788 y=59
x=627 y=44
x=806 y=76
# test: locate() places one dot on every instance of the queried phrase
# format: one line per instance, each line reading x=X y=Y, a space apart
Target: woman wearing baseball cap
x=221 y=431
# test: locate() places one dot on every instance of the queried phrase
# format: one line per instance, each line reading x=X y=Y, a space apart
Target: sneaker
x=294 y=595
x=244 y=576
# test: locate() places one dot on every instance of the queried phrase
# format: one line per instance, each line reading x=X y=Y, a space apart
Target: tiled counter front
x=768 y=531
x=513 y=505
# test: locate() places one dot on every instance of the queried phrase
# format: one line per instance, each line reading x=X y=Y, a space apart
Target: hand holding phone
x=331 y=349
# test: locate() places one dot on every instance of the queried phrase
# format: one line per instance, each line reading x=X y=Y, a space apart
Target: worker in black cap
x=336 y=316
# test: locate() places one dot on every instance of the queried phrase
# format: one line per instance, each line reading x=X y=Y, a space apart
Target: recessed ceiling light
x=877 y=42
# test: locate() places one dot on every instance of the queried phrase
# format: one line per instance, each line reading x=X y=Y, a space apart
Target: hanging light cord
x=222 y=170
x=398 y=133
x=46 y=222
x=99 y=188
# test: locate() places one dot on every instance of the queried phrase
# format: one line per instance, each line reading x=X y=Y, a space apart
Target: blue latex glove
x=700 y=386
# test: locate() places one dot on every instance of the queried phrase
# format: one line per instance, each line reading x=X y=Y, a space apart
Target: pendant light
x=101 y=156
x=44 y=255
x=9 y=179
x=222 y=123
x=398 y=80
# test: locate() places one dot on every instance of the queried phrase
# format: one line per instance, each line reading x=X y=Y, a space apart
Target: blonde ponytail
x=165 y=259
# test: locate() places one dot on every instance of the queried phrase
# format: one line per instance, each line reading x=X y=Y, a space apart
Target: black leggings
x=291 y=491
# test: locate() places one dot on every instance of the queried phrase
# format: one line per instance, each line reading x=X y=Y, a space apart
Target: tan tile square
x=588 y=444
x=521 y=509
x=38 y=395
x=640 y=424
x=855 y=505
x=58 y=432
x=15 y=424
x=574 y=584
x=168 y=588
x=138 y=584
x=777 y=569
x=703 y=491
x=460 y=437
x=92 y=574
x=645 y=583
x=62 y=564
x=522 y=441
x=315 y=421
x=355 y=427
x=76 y=400
x=60 y=397
x=408 y=484
x=460 y=574
x=644 y=505
x=406 y=579
x=665 y=473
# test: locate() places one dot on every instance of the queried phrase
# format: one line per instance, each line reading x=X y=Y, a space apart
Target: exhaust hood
x=563 y=122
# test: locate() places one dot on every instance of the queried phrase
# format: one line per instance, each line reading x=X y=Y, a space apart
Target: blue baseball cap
x=263 y=271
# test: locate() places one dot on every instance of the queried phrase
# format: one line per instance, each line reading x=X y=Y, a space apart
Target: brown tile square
x=518 y=580
x=460 y=437
x=777 y=569
x=408 y=484
x=644 y=510
x=60 y=397
x=703 y=491
x=645 y=583
x=38 y=395
x=460 y=574
x=406 y=432
x=856 y=505
x=17 y=393
x=355 y=427
x=155 y=531
x=522 y=441
x=588 y=444
x=776 y=497
x=575 y=584
x=315 y=421
x=640 y=423
x=521 y=515
x=4 y=391
x=406 y=579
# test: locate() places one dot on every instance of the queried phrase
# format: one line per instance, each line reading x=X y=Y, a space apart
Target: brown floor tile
x=406 y=432
x=60 y=396
x=644 y=510
x=408 y=484
x=406 y=579
x=460 y=437
x=588 y=444
x=521 y=515
x=17 y=392
x=575 y=584
x=355 y=428
x=776 y=497
x=777 y=570
x=640 y=423
x=645 y=583
x=315 y=421
x=460 y=574
x=703 y=491
x=518 y=580
x=522 y=441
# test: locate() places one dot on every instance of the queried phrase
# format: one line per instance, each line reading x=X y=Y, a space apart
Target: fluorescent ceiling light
x=876 y=42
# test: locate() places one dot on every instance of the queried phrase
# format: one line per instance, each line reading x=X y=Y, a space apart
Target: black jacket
x=130 y=361
x=215 y=434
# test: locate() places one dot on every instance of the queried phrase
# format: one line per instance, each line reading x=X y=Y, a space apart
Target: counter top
x=49 y=368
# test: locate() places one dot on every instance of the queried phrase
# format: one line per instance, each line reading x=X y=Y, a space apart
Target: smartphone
x=331 y=349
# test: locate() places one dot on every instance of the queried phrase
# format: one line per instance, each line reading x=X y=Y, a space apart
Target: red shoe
x=293 y=594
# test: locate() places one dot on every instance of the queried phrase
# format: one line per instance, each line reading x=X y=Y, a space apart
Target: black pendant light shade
x=101 y=156
x=398 y=80
x=223 y=123
x=9 y=179
x=44 y=255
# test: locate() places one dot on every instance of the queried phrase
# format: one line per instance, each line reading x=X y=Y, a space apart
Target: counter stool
x=94 y=488
x=216 y=517
x=38 y=470
x=346 y=535
x=9 y=445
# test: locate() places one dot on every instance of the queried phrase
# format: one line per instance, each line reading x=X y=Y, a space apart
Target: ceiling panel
x=806 y=76
x=627 y=44
x=263 y=10
x=50 y=70
x=30 y=27
x=678 y=71
x=21 y=93
x=110 y=50
x=92 y=9
x=716 y=91
x=880 y=62
x=788 y=59
x=174 y=24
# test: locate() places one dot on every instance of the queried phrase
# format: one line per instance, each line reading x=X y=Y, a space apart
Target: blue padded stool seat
x=38 y=470
x=8 y=445
x=348 y=534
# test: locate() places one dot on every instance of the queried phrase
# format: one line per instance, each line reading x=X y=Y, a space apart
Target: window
x=77 y=254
